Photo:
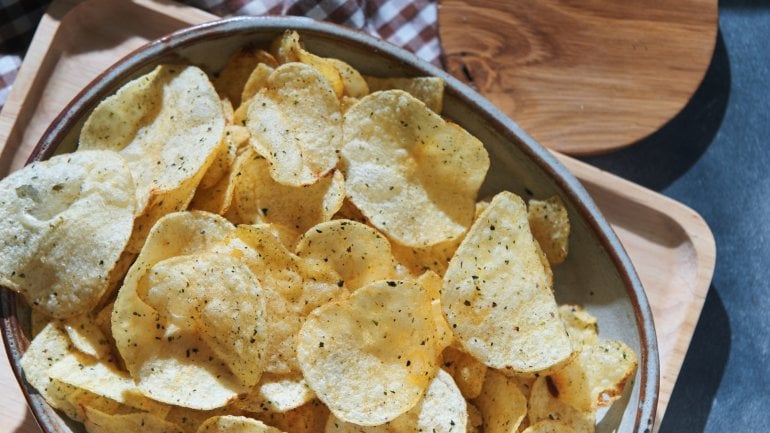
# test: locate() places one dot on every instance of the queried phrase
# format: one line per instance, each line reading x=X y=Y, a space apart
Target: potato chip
x=97 y=421
x=258 y=198
x=501 y=404
x=431 y=282
x=161 y=114
x=45 y=350
x=190 y=420
x=596 y=377
x=357 y=252
x=103 y=379
x=549 y=223
x=581 y=326
x=257 y=80
x=175 y=348
x=235 y=424
x=277 y=393
x=236 y=73
x=496 y=296
x=370 y=358
x=467 y=372
x=549 y=426
x=288 y=49
x=87 y=337
x=234 y=137
x=353 y=82
x=63 y=225
x=293 y=287
x=413 y=175
x=442 y=410
x=80 y=399
x=429 y=90
x=308 y=418
x=544 y=404
x=296 y=124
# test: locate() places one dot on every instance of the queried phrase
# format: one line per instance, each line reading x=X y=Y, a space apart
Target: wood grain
x=581 y=76
x=670 y=245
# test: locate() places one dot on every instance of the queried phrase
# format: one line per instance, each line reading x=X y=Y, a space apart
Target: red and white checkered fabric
x=412 y=25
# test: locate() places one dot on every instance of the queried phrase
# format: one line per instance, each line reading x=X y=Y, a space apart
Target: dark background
x=715 y=158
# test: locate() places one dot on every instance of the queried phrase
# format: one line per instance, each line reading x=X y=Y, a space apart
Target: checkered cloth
x=412 y=25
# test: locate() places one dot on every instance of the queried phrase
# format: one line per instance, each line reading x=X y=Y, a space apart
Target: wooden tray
x=582 y=76
x=670 y=245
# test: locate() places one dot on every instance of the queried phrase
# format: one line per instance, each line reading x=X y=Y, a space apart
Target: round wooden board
x=581 y=76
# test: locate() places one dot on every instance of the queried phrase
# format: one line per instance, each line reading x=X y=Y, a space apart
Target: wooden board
x=670 y=245
x=582 y=76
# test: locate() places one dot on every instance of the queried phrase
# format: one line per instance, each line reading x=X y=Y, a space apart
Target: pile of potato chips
x=292 y=246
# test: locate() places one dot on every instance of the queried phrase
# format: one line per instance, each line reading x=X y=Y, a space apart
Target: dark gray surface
x=715 y=158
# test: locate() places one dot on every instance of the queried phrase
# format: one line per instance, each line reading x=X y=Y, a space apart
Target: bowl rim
x=16 y=342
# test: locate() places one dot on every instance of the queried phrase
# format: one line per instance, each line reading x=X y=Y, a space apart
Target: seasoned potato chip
x=63 y=226
x=308 y=418
x=413 y=175
x=596 y=377
x=431 y=282
x=258 y=198
x=549 y=223
x=353 y=82
x=161 y=114
x=236 y=73
x=293 y=287
x=218 y=198
x=176 y=347
x=154 y=140
x=277 y=393
x=103 y=379
x=581 y=326
x=190 y=420
x=467 y=372
x=45 y=350
x=357 y=252
x=442 y=410
x=370 y=358
x=289 y=49
x=544 y=404
x=429 y=90
x=97 y=421
x=80 y=399
x=257 y=81
x=496 y=296
x=87 y=337
x=235 y=424
x=295 y=123
x=235 y=136
x=549 y=426
x=501 y=404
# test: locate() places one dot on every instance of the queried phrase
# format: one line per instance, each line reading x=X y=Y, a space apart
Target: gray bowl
x=598 y=274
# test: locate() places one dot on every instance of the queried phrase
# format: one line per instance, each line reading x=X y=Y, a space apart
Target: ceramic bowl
x=598 y=274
